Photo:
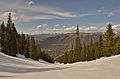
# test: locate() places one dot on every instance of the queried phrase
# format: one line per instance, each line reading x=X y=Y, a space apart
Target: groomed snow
x=18 y=68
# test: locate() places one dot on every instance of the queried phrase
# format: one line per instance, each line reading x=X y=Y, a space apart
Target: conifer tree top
x=77 y=32
x=9 y=17
x=77 y=28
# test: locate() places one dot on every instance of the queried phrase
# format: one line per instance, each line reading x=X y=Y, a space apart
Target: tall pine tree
x=2 y=36
x=78 y=47
x=109 y=41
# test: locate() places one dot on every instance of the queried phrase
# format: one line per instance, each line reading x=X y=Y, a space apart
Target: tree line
x=13 y=43
x=108 y=45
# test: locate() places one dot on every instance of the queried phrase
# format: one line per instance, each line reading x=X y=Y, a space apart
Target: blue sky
x=61 y=16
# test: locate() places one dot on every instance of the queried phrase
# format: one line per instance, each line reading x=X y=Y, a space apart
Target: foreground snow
x=17 y=68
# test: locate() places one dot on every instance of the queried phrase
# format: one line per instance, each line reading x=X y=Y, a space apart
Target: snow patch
x=18 y=68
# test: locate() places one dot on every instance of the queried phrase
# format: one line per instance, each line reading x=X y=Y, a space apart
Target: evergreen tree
x=118 y=45
x=45 y=56
x=18 y=43
x=109 y=41
x=2 y=36
x=88 y=53
x=100 y=48
x=38 y=48
x=23 y=44
x=10 y=38
x=13 y=40
x=27 y=48
x=66 y=58
x=33 y=50
x=84 y=52
x=12 y=43
x=70 y=55
x=78 y=47
x=92 y=50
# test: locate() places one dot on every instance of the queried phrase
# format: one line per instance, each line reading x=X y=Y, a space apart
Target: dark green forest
x=108 y=45
x=13 y=43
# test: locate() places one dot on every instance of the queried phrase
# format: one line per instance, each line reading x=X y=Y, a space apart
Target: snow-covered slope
x=17 y=68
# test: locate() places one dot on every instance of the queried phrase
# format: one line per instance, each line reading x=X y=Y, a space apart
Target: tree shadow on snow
x=2 y=76
x=27 y=70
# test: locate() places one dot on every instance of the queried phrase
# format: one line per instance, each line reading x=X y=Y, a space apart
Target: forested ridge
x=108 y=45
x=13 y=43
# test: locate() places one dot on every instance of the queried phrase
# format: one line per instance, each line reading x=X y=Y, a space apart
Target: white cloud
x=30 y=3
x=90 y=28
x=44 y=12
x=37 y=11
x=102 y=28
x=41 y=26
x=70 y=28
x=15 y=17
x=45 y=28
x=24 y=18
x=110 y=14
x=99 y=11
x=116 y=27
x=65 y=14
x=4 y=16
x=58 y=28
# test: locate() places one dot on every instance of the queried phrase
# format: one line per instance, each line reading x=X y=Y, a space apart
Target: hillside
x=57 y=44
x=42 y=37
x=17 y=68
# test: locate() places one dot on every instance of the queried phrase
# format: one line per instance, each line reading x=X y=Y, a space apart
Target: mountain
x=42 y=37
x=17 y=68
x=57 y=44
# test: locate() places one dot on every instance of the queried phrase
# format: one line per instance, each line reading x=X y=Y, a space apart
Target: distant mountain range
x=57 y=44
x=42 y=37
